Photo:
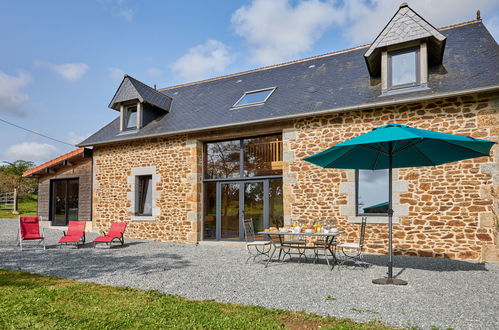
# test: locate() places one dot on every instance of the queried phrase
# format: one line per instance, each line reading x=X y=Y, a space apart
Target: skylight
x=254 y=97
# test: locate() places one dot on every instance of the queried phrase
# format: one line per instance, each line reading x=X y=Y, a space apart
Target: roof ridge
x=299 y=60
x=142 y=83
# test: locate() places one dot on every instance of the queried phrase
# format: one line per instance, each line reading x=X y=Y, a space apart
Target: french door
x=228 y=203
x=64 y=201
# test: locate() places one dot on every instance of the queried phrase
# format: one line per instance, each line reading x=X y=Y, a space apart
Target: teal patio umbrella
x=395 y=146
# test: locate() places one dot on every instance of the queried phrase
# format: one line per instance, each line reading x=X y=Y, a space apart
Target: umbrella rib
x=346 y=153
x=410 y=145
x=372 y=148
x=376 y=161
x=457 y=145
x=428 y=159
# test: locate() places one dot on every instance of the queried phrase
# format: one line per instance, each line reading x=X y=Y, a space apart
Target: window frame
x=127 y=117
x=357 y=213
x=242 y=162
x=390 y=54
x=139 y=195
x=271 y=89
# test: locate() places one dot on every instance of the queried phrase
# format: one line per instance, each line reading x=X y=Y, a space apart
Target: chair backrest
x=249 y=230
x=76 y=228
x=117 y=229
x=362 y=231
x=29 y=226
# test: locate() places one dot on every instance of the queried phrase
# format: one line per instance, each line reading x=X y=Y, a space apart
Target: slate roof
x=406 y=25
x=130 y=89
x=332 y=82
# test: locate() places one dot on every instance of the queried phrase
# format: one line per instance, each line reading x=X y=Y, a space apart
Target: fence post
x=15 y=211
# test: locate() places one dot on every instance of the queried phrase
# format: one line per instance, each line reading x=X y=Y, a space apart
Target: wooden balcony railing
x=267 y=152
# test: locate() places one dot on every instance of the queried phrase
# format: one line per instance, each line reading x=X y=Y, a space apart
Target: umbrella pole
x=390 y=279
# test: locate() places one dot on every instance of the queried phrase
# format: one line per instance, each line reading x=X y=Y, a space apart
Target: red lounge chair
x=75 y=234
x=29 y=231
x=114 y=234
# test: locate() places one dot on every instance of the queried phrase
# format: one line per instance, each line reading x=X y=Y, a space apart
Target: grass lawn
x=35 y=301
x=27 y=206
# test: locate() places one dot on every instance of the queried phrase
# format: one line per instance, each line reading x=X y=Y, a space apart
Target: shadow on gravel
x=425 y=263
x=92 y=263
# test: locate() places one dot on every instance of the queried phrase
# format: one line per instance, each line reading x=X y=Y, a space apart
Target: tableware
x=308 y=231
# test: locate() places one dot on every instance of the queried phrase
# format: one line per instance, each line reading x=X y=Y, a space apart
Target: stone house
x=188 y=163
x=65 y=188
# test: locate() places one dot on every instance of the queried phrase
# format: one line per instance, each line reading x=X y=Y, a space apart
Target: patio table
x=329 y=239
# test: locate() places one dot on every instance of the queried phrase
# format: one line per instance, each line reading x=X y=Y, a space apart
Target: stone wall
x=445 y=211
x=174 y=160
x=80 y=169
x=451 y=210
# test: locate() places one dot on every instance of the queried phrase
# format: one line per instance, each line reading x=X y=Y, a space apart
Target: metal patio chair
x=255 y=248
x=353 y=251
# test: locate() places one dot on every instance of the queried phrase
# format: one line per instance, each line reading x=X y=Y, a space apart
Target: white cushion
x=349 y=246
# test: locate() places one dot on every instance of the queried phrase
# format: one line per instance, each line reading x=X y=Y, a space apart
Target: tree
x=11 y=177
x=18 y=167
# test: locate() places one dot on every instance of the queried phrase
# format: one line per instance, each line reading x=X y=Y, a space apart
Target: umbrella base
x=392 y=281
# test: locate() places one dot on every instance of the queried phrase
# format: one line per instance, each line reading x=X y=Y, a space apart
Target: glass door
x=64 y=201
x=59 y=199
x=229 y=211
x=254 y=205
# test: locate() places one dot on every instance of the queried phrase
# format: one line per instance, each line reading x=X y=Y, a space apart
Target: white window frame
x=271 y=89
x=133 y=194
x=417 y=65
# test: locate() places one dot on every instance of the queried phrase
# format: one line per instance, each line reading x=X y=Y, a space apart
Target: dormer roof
x=132 y=89
x=406 y=25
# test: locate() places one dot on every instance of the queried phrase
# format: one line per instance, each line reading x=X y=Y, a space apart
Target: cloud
x=203 y=61
x=120 y=9
x=362 y=20
x=280 y=30
x=11 y=97
x=126 y=13
x=71 y=72
x=277 y=31
x=116 y=73
x=31 y=151
x=74 y=138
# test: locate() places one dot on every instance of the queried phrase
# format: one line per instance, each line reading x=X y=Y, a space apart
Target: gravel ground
x=442 y=293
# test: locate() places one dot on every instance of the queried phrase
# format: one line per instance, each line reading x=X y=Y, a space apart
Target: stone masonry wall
x=175 y=160
x=452 y=209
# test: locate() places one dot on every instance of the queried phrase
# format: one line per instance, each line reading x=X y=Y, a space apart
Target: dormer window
x=404 y=68
x=138 y=105
x=131 y=117
x=254 y=97
x=402 y=53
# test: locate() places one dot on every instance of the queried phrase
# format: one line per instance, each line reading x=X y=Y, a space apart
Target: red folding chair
x=115 y=234
x=29 y=231
x=75 y=235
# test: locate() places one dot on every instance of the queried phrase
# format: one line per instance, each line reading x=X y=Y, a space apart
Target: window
x=131 y=117
x=372 y=192
x=403 y=68
x=254 y=97
x=242 y=158
x=143 y=203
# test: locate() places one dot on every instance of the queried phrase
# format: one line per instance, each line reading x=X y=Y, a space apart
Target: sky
x=62 y=61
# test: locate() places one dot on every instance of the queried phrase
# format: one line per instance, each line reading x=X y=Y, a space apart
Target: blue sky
x=62 y=61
